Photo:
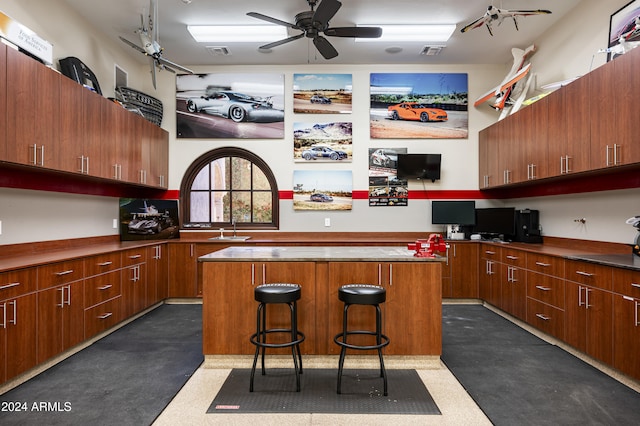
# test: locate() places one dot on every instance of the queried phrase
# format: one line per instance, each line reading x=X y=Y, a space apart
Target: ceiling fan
x=313 y=23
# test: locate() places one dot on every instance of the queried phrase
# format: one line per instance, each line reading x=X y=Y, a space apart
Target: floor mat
x=361 y=393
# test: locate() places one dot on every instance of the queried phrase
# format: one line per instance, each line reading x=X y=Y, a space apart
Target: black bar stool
x=277 y=293
x=361 y=294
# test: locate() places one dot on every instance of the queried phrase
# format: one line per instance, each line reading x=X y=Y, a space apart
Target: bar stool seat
x=361 y=294
x=277 y=293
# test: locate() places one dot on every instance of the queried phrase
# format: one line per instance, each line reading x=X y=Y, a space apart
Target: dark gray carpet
x=361 y=393
x=517 y=378
x=126 y=378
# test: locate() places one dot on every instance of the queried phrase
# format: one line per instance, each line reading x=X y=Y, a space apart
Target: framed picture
x=322 y=142
x=322 y=190
x=230 y=106
x=145 y=219
x=419 y=105
x=322 y=93
x=624 y=28
x=385 y=189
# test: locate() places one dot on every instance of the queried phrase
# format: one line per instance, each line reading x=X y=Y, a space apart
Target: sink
x=232 y=238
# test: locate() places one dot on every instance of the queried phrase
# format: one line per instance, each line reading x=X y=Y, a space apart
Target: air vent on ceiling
x=219 y=50
x=431 y=50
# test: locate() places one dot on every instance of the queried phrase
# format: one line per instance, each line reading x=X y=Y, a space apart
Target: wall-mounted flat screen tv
x=496 y=221
x=461 y=212
x=419 y=166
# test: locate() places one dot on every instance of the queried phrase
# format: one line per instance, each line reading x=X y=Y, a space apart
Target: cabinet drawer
x=55 y=274
x=490 y=252
x=102 y=263
x=101 y=317
x=597 y=276
x=626 y=282
x=134 y=257
x=544 y=264
x=101 y=287
x=514 y=257
x=545 y=288
x=545 y=318
x=17 y=283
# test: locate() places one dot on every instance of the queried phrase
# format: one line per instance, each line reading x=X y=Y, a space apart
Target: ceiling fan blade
x=360 y=32
x=326 y=11
x=281 y=42
x=324 y=47
x=272 y=20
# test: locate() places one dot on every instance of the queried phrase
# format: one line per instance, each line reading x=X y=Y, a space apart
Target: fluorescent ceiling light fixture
x=421 y=33
x=237 y=33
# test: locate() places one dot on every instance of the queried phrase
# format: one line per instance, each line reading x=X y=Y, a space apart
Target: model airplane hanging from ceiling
x=149 y=45
x=497 y=15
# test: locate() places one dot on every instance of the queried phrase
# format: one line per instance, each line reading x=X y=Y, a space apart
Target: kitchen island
x=412 y=313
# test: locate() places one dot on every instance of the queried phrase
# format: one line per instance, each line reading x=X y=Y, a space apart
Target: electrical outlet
x=115 y=223
x=327 y=221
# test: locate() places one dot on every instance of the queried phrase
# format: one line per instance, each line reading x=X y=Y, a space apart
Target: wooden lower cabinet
x=228 y=302
x=460 y=272
x=546 y=318
x=17 y=335
x=102 y=317
x=60 y=319
x=183 y=270
x=157 y=273
x=489 y=282
x=134 y=282
x=513 y=286
x=626 y=334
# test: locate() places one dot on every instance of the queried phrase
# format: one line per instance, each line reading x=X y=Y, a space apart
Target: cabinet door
x=588 y=320
x=71 y=155
x=626 y=335
x=92 y=140
x=537 y=156
x=34 y=91
x=201 y=249
x=463 y=258
x=157 y=273
x=3 y=101
x=134 y=290
x=20 y=334
x=604 y=143
x=625 y=119
x=182 y=270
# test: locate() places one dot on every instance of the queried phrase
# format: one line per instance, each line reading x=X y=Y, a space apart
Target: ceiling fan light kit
x=419 y=33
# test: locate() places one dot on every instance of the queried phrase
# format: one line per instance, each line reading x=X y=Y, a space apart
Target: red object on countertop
x=429 y=247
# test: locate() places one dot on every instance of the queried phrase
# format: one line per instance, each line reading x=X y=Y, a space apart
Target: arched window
x=226 y=185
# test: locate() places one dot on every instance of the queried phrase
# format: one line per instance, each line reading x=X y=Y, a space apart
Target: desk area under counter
x=412 y=312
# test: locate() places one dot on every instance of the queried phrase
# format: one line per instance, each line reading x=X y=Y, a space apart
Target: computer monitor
x=496 y=221
x=462 y=212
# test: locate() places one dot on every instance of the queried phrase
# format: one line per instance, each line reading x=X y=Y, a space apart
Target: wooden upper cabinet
x=3 y=100
x=537 y=155
x=71 y=137
x=625 y=119
x=32 y=120
x=605 y=146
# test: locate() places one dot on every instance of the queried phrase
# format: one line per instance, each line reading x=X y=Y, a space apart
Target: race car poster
x=418 y=106
x=145 y=219
x=230 y=105
x=322 y=93
x=384 y=187
x=322 y=142
x=322 y=190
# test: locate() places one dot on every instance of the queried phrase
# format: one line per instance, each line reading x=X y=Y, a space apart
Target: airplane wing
x=512 y=13
x=135 y=46
x=152 y=63
x=475 y=24
x=170 y=64
x=498 y=91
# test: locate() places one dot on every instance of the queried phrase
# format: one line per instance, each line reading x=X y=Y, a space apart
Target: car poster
x=322 y=190
x=418 y=106
x=233 y=105
x=384 y=187
x=322 y=93
x=322 y=142
x=145 y=219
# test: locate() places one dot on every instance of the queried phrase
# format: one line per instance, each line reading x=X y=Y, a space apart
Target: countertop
x=627 y=261
x=316 y=253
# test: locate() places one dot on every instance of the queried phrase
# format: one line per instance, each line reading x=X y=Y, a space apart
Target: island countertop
x=316 y=254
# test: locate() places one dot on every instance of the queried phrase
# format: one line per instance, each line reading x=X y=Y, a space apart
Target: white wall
x=565 y=50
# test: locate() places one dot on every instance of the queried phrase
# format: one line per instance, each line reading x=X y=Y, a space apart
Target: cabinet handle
x=539 y=287
x=68 y=295
x=512 y=257
x=105 y=263
x=105 y=287
x=264 y=273
x=135 y=256
x=253 y=274
x=632 y=285
x=561 y=165
x=61 y=304
x=607 y=163
x=544 y=265
x=616 y=148
x=586 y=298
x=35 y=155
x=9 y=286
x=580 y=303
x=42 y=155
x=105 y=316
x=67 y=272
x=533 y=171
x=14 y=321
x=4 y=315
x=543 y=317
x=490 y=252
x=379 y=274
x=390 y=275
x=585 y=274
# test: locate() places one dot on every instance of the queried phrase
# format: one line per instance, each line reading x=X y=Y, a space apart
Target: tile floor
x=191 y=403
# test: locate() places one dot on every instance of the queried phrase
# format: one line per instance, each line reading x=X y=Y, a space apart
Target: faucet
x=233 y=222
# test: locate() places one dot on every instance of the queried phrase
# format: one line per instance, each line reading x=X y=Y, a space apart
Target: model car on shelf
x=416 y=111
x=321 y=198
x=236 y=106
x=323 y=151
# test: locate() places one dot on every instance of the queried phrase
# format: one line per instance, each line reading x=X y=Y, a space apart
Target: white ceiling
x=122 y=17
